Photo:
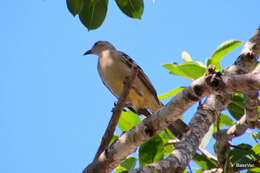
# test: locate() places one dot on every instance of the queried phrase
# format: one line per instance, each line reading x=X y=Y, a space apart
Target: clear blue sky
x=53 y=105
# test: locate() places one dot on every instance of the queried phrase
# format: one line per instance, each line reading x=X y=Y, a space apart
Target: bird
x=113 y=67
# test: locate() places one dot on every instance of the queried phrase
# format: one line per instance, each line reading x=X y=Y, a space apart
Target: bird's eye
x=95 y=43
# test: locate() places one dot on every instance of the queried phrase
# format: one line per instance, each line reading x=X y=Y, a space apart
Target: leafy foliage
x=171 y=93
x=222 y=51
x=254 y=170
x=128 y=120
x=74 y=6
x=127 y=164
x=204 y=162
x=92 y=13
x=245 y=155
x=207 y=137
x=188 y=69
x=114 y=138
x=166 y=135
x=186 y=56
x=225 y=120
x=132 y=8
x=256 y=148
x=155 y=148
x=236 y=106
x=151 y=151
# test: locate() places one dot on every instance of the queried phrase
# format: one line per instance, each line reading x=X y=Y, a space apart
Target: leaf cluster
x=92 y=13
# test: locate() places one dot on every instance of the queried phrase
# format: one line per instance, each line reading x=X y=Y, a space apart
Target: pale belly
x=113 y=74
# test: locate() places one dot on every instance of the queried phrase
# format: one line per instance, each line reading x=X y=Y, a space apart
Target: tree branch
x=205 y=115
x=214 y=170
x=244 y=64
x=208 y=154
x=117 y=111
x=223 y=136
x=251 y=104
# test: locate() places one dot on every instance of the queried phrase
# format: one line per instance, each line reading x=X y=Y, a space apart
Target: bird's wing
x=142 y=76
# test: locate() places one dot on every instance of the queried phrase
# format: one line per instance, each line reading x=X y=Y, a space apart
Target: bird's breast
x=112 y=72
x=105 y=60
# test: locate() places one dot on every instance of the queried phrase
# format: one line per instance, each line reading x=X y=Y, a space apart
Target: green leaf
x=188 y=69
x=151 y=151
x=199 y=170
x=128 y=120
x=132 y=8
x=207 y=137
x=256 y=64
x=216 y=64
x=225 y=120
x=167 y=150
x=185 y=56
x=256 y=148
x=236 y=106
x=174 y=69
x=224 y=49
x=204 y=162
x=93 y=13
x=254 y=170
x=242 y=156
x=171 y=93
x=74 y=6
x=113 y=139
x=127 y=164
x=166 y=135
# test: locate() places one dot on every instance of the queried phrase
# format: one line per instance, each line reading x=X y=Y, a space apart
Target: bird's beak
x=88 y=52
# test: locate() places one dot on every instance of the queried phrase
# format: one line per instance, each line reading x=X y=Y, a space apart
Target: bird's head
x=99 y=47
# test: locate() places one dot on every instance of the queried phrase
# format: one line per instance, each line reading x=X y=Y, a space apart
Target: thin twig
x=214 y=170
x=239 y=147
x=117 y=111
x=172 y=142
x=208 y=154
x=189 y=168
x=218 y=123
x=253 y=135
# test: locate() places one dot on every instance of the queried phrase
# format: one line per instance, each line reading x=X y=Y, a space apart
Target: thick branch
x=236 y=83
x=251 y=98
x=223 y=136
x=251 y=104
x=244 y=64
x=185 y=149
x=213 y=105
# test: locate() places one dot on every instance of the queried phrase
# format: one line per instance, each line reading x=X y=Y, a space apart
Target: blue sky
x=53 y=105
